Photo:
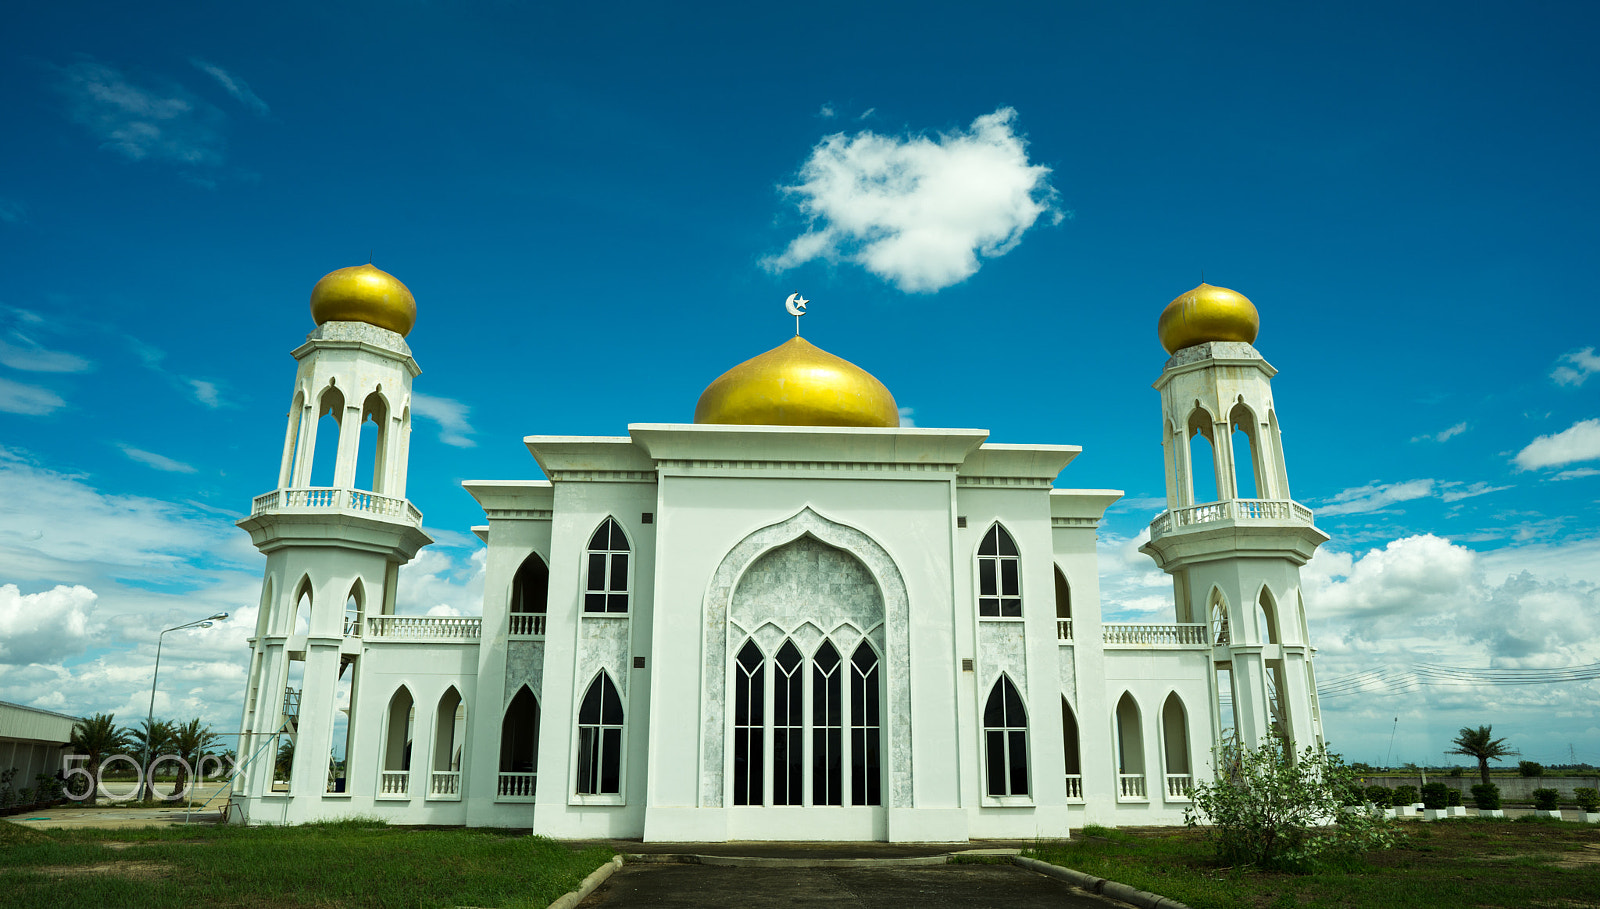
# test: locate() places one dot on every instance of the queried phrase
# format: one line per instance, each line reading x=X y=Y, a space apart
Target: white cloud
x=46 y=626
x=233 y=85
x=1455 y=492
x=1578 y=442
x=205 y=392
x=450 y=414
x=151 y=459
x=827 y=112
x=1375 y=496
x=27 y=399
x=1444 y=436
x=1574 y=368
x=918 y=212
x=1577 y=473
x=141 y=122
x=435 y=584
x=906 y=414
x=30 y=357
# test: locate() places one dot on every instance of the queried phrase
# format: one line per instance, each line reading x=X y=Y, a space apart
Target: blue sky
x=593 y=209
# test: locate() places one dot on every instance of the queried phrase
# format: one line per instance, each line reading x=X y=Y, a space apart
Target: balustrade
x=1244 y=510
x=1064 y=630
x=1130 y=786
x=517 y=787
x=394 y=784
x=361 y=501
x=1075 y=787
x=527 y=624
x=425 y=627
x=445 y=784
x=1179 y=785
x=1181 y=635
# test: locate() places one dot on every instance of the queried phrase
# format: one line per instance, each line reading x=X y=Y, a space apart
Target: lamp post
x=150 y=718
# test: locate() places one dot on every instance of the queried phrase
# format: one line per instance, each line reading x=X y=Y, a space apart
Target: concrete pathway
x=879 y=885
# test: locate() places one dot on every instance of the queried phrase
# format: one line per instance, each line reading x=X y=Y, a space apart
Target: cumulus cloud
x=435 y=584
x=233 y=85
x=44 y=627
x=918 y=211
x=155 y=122
x=1578 y=442
x=1443 y=436
x=151 y=459
x=1576 y=367
x=450 y=414
x=30 y=400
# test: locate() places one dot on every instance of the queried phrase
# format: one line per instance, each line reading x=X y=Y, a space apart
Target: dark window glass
x=594 y=602
x=787 y=728
x=601 y=538
x=597 y=571
x=1005 y=741
x=600 y=739
x=986 y=585
x=619 y=572
x=994 y=741
x=1008 y=578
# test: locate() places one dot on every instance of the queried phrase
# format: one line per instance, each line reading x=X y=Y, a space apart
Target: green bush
x=1455 y=771
x=1379 y=796
x=1486 y=796
x=1404 y=795
x=1588 y=798
x=1452 y=798
x=1435 y=795
x=1530 y=768
x=1546 y=799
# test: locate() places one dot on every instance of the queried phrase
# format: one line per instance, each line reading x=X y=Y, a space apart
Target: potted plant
x=1486 y=796
x=1547 y=803
x=1588 y=799
x=1435 y=796
x=1452 y=804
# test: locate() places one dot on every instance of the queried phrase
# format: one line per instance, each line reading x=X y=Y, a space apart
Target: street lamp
x=150 y=718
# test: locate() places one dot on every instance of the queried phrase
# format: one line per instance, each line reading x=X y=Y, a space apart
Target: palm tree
x=154 y=739
x=190 y=740
x=97 y=738
x=1481 y=744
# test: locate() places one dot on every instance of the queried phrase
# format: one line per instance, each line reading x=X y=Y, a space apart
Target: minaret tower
x=335 y=532
x=1231 y=537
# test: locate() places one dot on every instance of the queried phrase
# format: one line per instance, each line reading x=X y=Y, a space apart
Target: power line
x=1419 y=675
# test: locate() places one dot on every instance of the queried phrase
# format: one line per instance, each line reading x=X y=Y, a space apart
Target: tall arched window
x=530 y=589
x=1175 y=747
x=1266 y=617
x=1130 y=749
x=291 y=442
x=1063 y=606
x=1069 y=750
x=1248 y=480
x=866 y=783
x=299 y=618
x=372 y=446
x=788 y=727
x=1202 y=458
x=449 y=734
x=999 y=574
x=395 y=780
x=827 y=727
x=600 y=739
x=1005 y=736
x=519 y=746
x=607 y=587
x=749 y=727
x=355 y=610
x=324 y=460
x=1220 y=633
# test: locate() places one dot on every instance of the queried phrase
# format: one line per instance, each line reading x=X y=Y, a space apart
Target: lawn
x=348 y=863
x=1457 y=863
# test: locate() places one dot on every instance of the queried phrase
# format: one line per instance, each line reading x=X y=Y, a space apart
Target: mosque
x=790 y=619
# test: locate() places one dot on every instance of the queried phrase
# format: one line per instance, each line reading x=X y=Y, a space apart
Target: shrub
x=1452 y=798
x=1434 y=795
x=1267 y=810
x=1378 y=795
x=1404 y=795
x=1546 y=799
x=1588 y=798
x=1486 y=796
x=1455 y=771
x=1530 y=768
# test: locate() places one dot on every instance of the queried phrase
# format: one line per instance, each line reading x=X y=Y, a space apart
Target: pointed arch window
x=866 y=784
x=519 y=748
x=354 y=610
x=600 y=739
x=530 y=589
x=827 y=731
x=788 y=727
x=749 y=728
x=1219 y=620
x=1175 y=747
x=1005 y=737
x=606 y=589
x=1069 y=749
x=999 y=575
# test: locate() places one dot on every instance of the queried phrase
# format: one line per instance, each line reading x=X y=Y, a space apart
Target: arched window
x=1175 y=747
x=299 y=618
x=788 y=727
x=999 y=575
x=519 y=746
x=291 y=442
x=354 y=610
x=607 y=587
x=1063 y=607
x=1219 y=619
x=1130 y=749
x=749 y=727
x=1069 y=750
x=600 y=739
x=866 y=783
x=1005 y=736
x=530 y=589
x=1248 y=480
x=827 y=727
x=1266 y=617
x=1202 y=458
x=325 y=459
x=372 y=447
x=395 y=780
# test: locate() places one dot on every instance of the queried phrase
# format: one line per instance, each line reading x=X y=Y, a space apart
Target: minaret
x=335 y=532
x=1231 y=537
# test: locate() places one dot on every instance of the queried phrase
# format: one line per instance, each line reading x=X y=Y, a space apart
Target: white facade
x=715 y=632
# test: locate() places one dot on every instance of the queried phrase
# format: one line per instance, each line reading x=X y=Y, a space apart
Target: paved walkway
x=880 y=886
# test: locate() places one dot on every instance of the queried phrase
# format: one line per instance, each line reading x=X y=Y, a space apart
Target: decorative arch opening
x=399 y=724
x=606 y=589
x=1073 y=763
x=530 y=593
x=749 y=725
x=1175 y=747
x=519 y=746
x=1203 y=484
x=372 y=446
x=291 y=442
x=1218 y=609
x=999 y=574
x=298 y=621
x=325 y=457
x=1248 y=479
x=600 y=738
x=1275 y=438
x=355 y=607
x=449 y=737
x=1063 y=606
x=1130 y=749
x=1005 y=738
x=1267 y=617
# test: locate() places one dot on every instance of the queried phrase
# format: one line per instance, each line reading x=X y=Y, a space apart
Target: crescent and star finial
x=796 y=305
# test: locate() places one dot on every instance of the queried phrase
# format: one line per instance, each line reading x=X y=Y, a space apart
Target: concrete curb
x=596 y=878
x=1129 y=895
x=687 y=858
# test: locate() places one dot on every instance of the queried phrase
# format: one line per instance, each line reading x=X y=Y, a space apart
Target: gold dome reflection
x=364 y=293
x=797 y=384
x=1208 y=313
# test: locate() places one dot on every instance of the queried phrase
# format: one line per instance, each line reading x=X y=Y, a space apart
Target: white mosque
x=790 y=619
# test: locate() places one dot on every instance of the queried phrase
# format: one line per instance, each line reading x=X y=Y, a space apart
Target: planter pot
x=1391 y=812
x=1591 y=817
x=1556 y=814
x=1491 y=812
x=1436 y=814
x=1405 y=811
x=1457 y=810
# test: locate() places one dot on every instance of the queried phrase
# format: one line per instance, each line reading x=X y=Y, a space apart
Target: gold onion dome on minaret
x=797 y=384
x=364 y=293
x=1208 y=314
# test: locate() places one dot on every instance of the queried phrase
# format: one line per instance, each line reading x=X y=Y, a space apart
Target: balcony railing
x=1240 y=510
x=1179 y=785
x=444 y=784
x=527 y=624
x=335 y=499
x=394 y=784
x=1130 y=786
x=1127 y=635
x=424 y=627
x=517 y=787
x=1064 y=630
x=1075 y=787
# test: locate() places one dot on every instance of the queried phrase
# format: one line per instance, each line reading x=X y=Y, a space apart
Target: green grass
x=347 y=863
x=1463 y=862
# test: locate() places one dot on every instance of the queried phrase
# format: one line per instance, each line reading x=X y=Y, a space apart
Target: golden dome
x=797 y=384
x=1208 y=314
x=364 y=293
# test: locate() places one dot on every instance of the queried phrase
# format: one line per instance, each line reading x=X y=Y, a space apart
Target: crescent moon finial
x=796 y=305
